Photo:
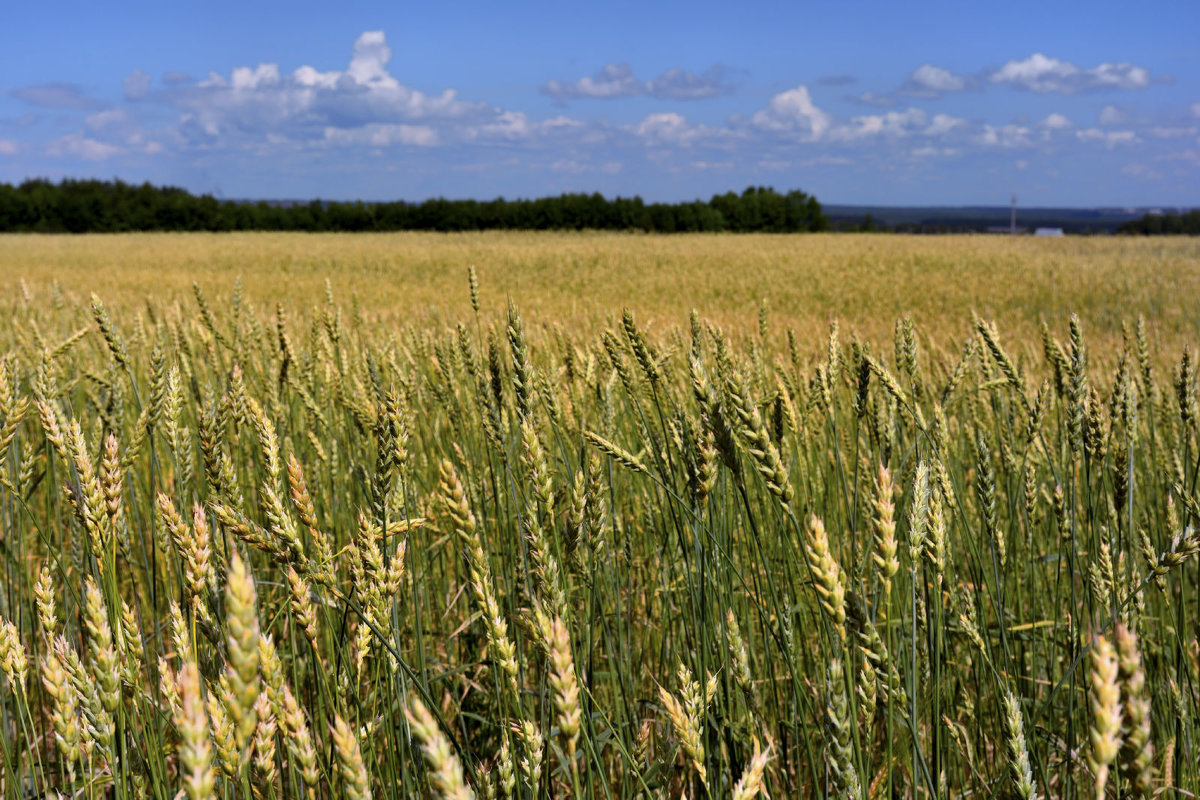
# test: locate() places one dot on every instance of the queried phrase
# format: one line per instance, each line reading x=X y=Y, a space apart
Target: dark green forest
x=91 y=206
x=1187 y=223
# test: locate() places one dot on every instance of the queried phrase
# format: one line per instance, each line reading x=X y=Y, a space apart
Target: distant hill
x=981 y=218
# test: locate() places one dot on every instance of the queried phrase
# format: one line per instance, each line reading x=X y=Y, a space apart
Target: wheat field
x=598 y=516
x=867 y=282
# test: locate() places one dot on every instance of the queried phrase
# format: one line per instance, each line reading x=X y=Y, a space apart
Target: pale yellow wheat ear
x=13 y=659
x=838 y=732
x=47 y=606
x=195 y=759
x=265 y=771
x=446 y=773
x=1137 y=750
x=300 y=740
x=885 y=529
x=751 y=783
x=64 y=714
x=100 y=646
x=566 y=686
x=827 y=575
x=1018 y=750
x=1105 y=700
x=686 y=715
x=739 y=655
x=356 y=783
x=242 y=672
x=462 y=520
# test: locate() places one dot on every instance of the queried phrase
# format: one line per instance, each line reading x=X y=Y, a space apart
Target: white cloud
x=618 y=80
x=8 y=147
x=1111 y=115
x=934 y=152
x=245 y=79
x=669 y=128
x=1109 y=139
x=615 y=80
x=254 y=102
x=1056 y=122
x=793 y=112
x=383 y=135
x=682 y=84
x=80 y=146
x=1166 y=132
x=573 y=166
x=136 y=85
x=1196 y=110
x=1006 y=136
x=930 y=81
x=106 y=119
x=513 y=126
x=897 y=124
x=1191 y=157
x=943 y=124
x=1043 y=74
x=55 y=95
x=893 y=123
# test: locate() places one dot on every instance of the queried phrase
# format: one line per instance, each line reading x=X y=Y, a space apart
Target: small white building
x=1048 y=232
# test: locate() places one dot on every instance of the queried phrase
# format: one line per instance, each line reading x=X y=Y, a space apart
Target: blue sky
x=857 y=102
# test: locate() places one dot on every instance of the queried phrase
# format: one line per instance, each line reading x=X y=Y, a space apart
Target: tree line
x=1187 y=224
x=92 y=206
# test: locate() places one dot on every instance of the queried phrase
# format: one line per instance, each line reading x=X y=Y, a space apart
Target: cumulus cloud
x=668 y=129
x=1169 y=132
x=930 y=81
x=572 y=166
x=1043 y=74
x=1111 y=115
x=615 y=80
x=55 y=95
x=1196 y=110
x=308 y=103
x=381 y=135
x=897 y=124
x=1004 y=136
x=681 y=84
x=8 y=147
x=81 y=146
x=1109 y=139
x=618 y=80
x=942 y=124
x=893 y=123
x=513 y=126
x=108 y=118
x=1056 y=122
x=934 y=152
x=792 y=113
x=136 y=85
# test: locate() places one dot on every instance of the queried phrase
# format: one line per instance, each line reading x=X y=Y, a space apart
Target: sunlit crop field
x=584 y=280
x=500 y=516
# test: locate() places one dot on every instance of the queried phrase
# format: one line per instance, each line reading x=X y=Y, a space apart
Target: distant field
x=585 y=279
